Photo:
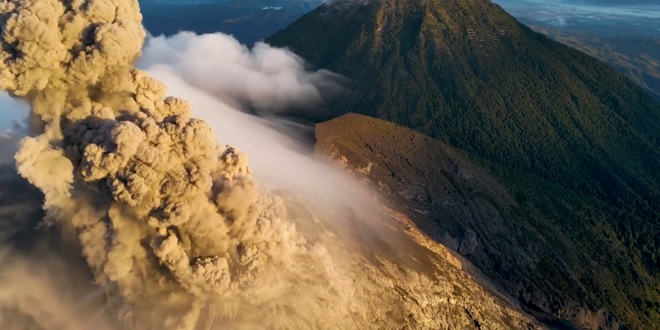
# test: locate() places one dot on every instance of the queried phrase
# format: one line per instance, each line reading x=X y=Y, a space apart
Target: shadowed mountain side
x=638 y=59
x=516 y=229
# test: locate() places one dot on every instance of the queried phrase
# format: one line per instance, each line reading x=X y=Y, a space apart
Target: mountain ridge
x=425 y=88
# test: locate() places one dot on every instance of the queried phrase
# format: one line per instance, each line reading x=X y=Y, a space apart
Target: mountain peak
x=530 y=109
x=468 y=73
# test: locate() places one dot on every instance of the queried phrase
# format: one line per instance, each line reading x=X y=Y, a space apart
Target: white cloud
x=261 y=79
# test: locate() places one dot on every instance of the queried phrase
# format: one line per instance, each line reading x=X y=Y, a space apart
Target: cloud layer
x=261 y=79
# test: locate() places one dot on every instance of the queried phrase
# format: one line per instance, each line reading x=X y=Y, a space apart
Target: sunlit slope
x=556 y=250
x=419 y=285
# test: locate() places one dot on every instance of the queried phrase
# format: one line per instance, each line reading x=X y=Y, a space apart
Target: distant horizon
x=643 y=10
x=606 y=20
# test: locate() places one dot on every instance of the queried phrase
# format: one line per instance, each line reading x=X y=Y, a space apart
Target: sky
x=12 y=111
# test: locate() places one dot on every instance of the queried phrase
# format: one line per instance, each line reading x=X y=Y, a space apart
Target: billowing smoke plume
x=263 y=79
x=165 y=215
x=172 y=226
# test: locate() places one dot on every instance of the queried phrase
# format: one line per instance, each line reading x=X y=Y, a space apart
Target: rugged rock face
x=457 y=202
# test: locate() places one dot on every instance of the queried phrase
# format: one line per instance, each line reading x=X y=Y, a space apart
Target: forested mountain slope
x=570 y=137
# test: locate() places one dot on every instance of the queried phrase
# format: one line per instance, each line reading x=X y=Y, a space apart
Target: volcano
x=575 y=143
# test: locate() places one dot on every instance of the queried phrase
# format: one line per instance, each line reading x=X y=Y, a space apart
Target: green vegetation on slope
x=555 y=249
x=570 y=136
x=637 y=59
x=467 y=73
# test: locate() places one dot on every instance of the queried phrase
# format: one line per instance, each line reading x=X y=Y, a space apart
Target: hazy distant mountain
x=624 y=34
x=619 y=2
x=576 y=144
x=637 y=58
x=548 y=259
x=248 y=20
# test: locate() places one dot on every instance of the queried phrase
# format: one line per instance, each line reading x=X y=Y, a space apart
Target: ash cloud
x=32 y=298
x=165 y=216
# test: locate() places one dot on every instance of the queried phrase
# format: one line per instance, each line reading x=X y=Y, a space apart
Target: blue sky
x=627 y=9
x=11 y=110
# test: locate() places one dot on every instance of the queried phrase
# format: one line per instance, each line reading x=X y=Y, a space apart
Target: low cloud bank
x=263 y=79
